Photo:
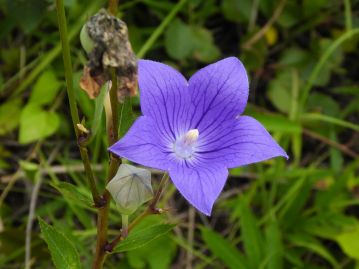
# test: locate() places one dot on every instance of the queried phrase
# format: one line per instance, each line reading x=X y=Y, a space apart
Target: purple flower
x=193 y=129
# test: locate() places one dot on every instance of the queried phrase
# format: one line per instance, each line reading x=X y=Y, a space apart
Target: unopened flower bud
x=130 y=188
x=82 y=128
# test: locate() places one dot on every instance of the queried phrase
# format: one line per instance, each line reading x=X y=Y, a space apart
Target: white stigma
x=184 y=146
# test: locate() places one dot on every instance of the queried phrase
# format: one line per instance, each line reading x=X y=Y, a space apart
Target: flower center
x=184 y=146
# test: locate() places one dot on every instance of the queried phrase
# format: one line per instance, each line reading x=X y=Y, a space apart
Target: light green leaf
x=9 y=116
x=178 y=40
x=45 y=89
x=237 y=10
x=99 y=102
x=279 y=92
x=319 y=102
x=126 y=118
x=204 y=48
x=140 y=238
x=36 y=124
x=294 y=57
x=252 y=237
x=221 y=248
x=63 y=252
x=156 y=254
x=31 y=169
x=349 y=242
x=277 y=123
x=310 y=243
x=274 y=245
x=74 y=194
x=312 y=117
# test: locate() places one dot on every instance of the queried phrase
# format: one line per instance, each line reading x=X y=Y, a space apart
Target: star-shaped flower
x=194 y=129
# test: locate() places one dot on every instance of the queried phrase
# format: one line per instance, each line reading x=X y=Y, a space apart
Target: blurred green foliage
x=303 y=64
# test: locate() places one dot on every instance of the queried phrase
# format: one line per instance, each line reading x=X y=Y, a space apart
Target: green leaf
x=336 y=157
x=126 y=118
x=178 y=40
x=27 y=14
x=312 y=244
x=349 y=242
x=319 y=102
x=36 y=124
x=140 y=238
x=346 y=90
x=237 y=10
x=312 y=117
x=63 y=252
x=221 y=248
x=277 y=123
x=279 y=92
x=45 y=89
x=74 y=194
x=31 y=169
x=9 y=116
x=294 y=57
x=99 y=102
x=274 y=245
x=157 y=254
x=252 y=237
x=204 y=48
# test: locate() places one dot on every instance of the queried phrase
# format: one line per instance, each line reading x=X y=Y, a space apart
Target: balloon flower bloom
x=194 y=129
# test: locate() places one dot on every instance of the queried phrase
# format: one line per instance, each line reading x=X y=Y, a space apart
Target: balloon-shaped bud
x=130 y=188
x=86 y=41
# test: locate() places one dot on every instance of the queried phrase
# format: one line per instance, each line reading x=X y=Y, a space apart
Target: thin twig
x=55 y=169
x=15 y=176
x=32 y=207
x=33 y=200
x=332 y=143
x=248 y=44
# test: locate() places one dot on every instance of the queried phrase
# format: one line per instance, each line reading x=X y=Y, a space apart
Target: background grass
x=303 y=64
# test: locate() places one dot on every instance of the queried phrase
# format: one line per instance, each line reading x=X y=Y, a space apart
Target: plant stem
x=248 y=44
x=112 y=128
x=114 y=108
x=113 y=7
x=102 y=227
x=305 y=91
x=124 y=231
x=151 y=210
x=71 y=95
x=159 y=30
x=153 y=205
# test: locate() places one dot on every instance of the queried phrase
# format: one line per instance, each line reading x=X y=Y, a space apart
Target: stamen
x=191 y=136
x=184 y=146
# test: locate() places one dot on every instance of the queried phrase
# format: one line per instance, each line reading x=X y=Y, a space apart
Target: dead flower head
x=105 y=39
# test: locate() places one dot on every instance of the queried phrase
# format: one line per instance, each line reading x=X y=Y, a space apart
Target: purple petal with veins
x=194 y=130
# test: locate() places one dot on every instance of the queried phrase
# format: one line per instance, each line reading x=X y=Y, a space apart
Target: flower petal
x=164 y=96
x=143 y=144
x=218 y=92
x=241 y=142
x=200 y=185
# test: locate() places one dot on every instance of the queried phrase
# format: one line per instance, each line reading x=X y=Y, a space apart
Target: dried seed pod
x=130 y=188
x=105 y=39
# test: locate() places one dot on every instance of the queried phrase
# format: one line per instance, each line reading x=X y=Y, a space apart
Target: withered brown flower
x=110 y=49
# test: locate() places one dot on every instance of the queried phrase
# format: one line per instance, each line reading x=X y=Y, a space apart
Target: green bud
x=130 y=188
x=86 y=41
